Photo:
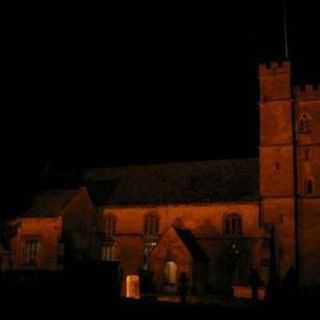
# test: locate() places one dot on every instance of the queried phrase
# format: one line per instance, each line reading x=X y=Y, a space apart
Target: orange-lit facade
x=214 y=223
x=290 y=169
x=59 y=224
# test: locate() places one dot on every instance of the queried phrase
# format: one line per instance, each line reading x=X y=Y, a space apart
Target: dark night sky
x=136 y=84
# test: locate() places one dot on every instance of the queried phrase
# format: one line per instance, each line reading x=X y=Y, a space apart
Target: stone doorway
x=133 y=287
x=170 y=276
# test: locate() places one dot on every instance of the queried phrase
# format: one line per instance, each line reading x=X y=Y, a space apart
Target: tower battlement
x=274 y=68
x=275 y=81
x=308 y=92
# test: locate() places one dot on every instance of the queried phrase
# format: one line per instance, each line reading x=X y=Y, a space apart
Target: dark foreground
x=60 y=304
x=76 y=293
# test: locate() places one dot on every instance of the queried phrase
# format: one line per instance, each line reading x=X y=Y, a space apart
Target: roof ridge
x=170 y=163
x=191 y=243
x=60 y=190
x=203 y=181
x=51 y=202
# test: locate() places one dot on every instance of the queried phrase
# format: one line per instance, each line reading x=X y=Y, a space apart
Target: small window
x=304 y=124
x=32 y=252
x=276 y=167
x=307 y=154
x=110 y=225
x=310 y=187
x=233 y=225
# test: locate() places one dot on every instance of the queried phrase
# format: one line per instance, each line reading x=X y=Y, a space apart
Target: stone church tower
x=277 y=160
x=307 y=106
x=290 y=170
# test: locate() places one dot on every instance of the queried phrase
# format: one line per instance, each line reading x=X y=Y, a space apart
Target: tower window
x=304 y=124
x=277 y=167
x=282 y=218
x=307 y=154
x=310 y=187
x=233 y=225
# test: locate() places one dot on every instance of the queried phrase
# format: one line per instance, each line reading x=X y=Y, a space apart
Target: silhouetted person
x=290 y=284
x=183 y=287
x=255 y=283
x=274 y=281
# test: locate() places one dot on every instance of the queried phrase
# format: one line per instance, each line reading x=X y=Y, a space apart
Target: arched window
x=108 y=252
x=170 y=273
x=151 y=226
x=309 y=186
x=110 y=225
x=108 y=249
x=304 y=123
x=32 y=252
x=233 y=225
x=151 y=233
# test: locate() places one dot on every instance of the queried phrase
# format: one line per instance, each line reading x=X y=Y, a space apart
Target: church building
x=213 y=221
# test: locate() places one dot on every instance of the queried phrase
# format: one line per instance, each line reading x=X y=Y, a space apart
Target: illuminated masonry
x=210 y=220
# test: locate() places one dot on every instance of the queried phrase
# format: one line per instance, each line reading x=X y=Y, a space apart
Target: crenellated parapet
x=275 y=82
x=274 y=68
x=308 y=92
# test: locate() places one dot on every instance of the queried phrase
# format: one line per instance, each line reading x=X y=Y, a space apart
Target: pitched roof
x=192 y=182
x=192 y=245
x=50 y=203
